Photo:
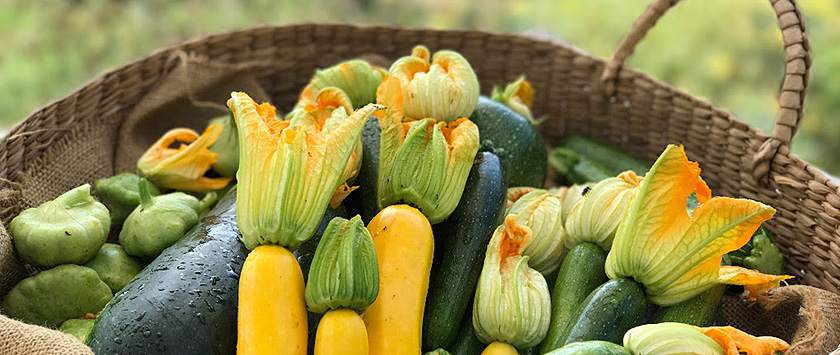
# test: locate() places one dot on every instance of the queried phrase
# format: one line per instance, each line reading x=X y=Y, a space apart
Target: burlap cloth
x=195 y=91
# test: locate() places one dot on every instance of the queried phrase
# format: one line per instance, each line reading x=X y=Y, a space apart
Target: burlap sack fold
x=807 y=317
x=18 y=338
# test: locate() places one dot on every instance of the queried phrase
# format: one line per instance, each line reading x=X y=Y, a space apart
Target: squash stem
x=145 y=194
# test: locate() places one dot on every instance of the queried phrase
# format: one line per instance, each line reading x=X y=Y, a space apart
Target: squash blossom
x=677 y=256
x=683 y=339
x=424 y=163
x=569 y=195
x=595 y=216
x=444 y=88
x=356 y=78
x=519 y=96
x=287 y=175
x=344 y=271
x=330 y=107
x=540 y=211
x=512 y=302
x=183 y=168
x=515 y=193
x=670 y=339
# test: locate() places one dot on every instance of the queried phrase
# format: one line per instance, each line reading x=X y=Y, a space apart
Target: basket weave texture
x=104 y=126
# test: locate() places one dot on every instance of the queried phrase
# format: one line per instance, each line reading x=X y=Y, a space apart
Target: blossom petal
x=737 y=342
x=753 y=281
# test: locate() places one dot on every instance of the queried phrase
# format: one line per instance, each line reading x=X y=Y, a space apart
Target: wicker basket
x=82 y=136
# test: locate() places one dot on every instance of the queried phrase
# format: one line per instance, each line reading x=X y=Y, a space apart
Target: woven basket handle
x=797 y=69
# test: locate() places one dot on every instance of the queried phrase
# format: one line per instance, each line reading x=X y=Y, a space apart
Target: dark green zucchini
x=462 y=240
x=700 y=310
x=608 y=312
x=466 y=343
x=534 y=350
x=572 y=168
x=593 y=347
x=364 y=200
x=185 y=301
x=582 y=271
x=524 y=153
x=612 y=158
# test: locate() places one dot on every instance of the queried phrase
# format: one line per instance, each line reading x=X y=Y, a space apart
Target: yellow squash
x=404 y=248
x=341 y=332
x=499 y=348
x=272 y=310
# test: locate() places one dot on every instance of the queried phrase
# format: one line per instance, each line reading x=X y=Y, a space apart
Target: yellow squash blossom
x=515 y=193
x=512 y=302
x=518 y=95
x=444 y=88
x=595 y=216
x=670 y=339
x=674 y=255
x=287 y=174
x=422 y=162
x=570 y=195
x=326 y=110
x=183 y=168
x=539 y=210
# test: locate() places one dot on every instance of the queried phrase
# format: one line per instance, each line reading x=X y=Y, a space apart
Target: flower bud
x=344 y=271
x=512 y=303
x=595 y=217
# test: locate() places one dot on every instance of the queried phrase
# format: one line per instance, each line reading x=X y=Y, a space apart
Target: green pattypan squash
x=69 y=229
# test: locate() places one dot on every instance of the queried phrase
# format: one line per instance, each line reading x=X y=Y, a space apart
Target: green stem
x=146 y=199
x=206 y=202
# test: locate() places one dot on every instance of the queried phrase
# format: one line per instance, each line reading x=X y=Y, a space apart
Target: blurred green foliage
x=728 y=52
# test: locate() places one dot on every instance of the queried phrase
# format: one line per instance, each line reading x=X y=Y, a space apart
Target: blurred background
x=728 y=52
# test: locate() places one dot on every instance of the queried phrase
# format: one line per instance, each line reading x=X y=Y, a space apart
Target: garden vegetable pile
x=395 y=212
